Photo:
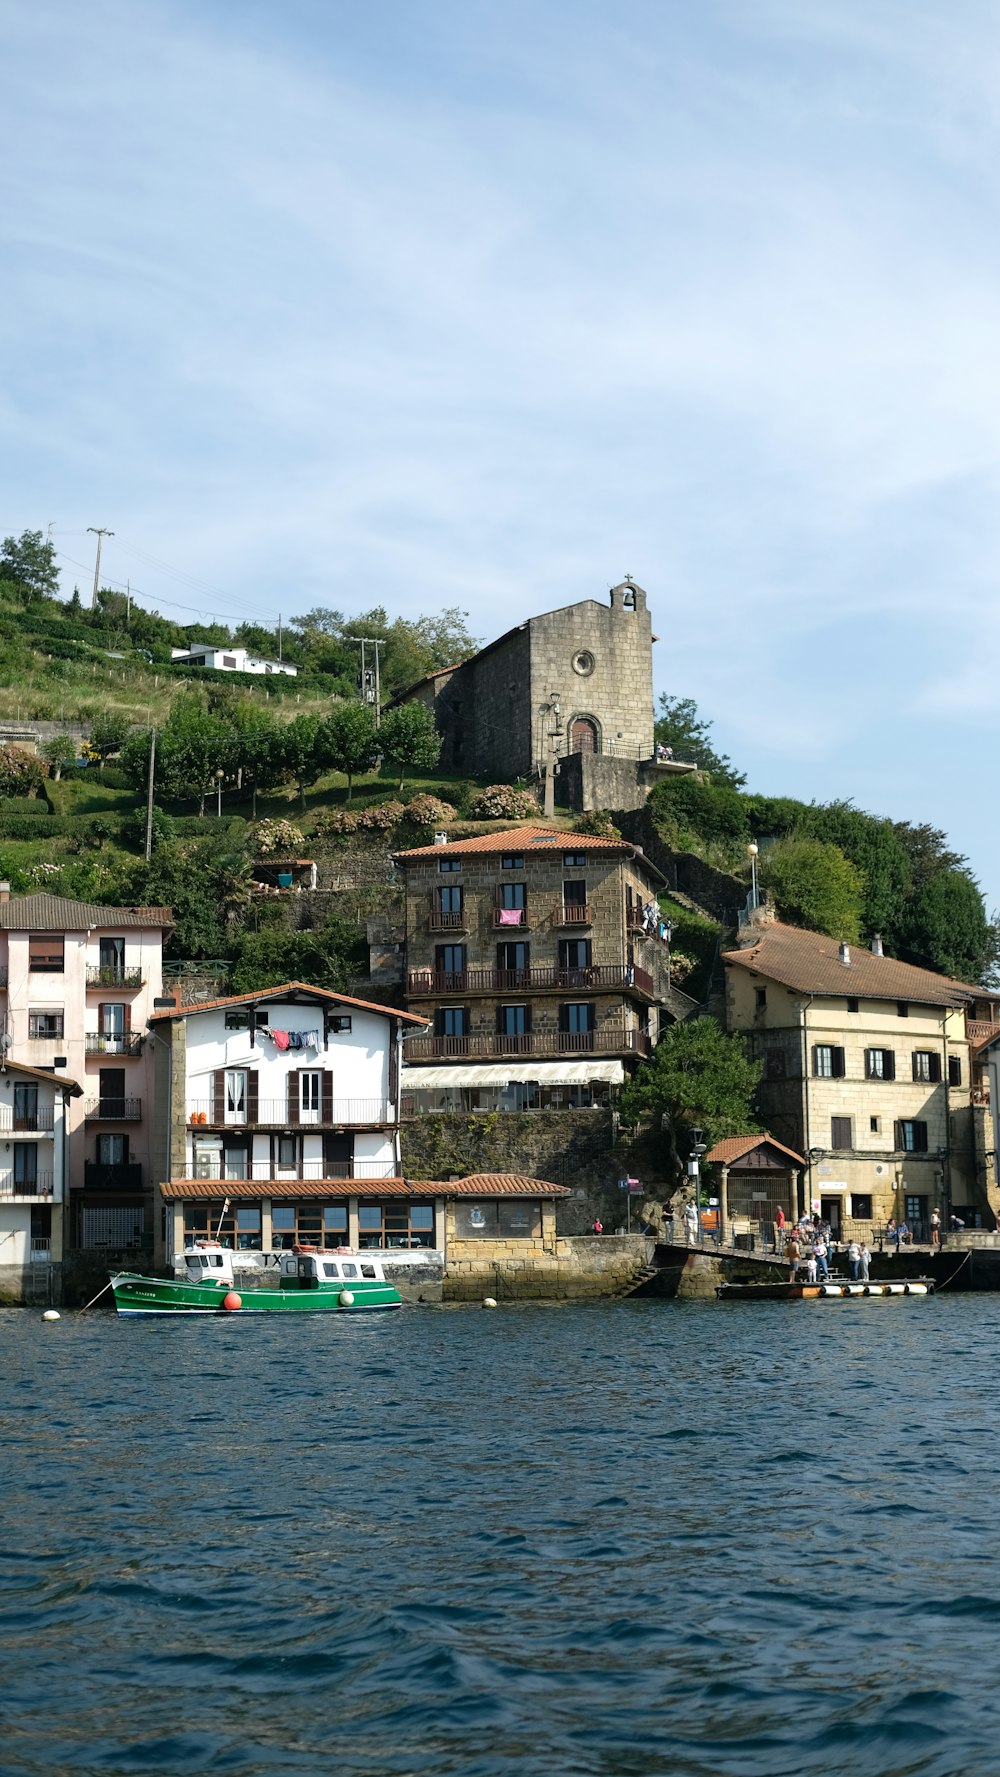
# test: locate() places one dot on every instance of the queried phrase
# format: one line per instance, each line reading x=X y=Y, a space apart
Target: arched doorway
x=583 y=736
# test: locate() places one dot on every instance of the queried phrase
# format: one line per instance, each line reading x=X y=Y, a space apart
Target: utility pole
x=374 y=694
x=149 y=795
x=279 y=635
x=99 y=531
x=128 y=604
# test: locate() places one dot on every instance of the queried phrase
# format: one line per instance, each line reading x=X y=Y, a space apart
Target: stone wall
x=518 y=1270
x=719 y=894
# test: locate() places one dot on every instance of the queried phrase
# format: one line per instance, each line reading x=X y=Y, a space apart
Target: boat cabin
x=207 y=1262
x=311 y=1271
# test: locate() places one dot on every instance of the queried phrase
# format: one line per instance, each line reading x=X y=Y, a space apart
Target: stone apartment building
x=77 y=984
x=867 y=1074
x=538 y=961
x=566 y=696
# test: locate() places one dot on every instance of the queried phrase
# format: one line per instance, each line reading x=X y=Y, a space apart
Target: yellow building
x=866 y=1073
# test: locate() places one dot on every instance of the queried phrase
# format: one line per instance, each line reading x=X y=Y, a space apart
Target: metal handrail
x=534 y=979
x=40 y=1186
x=262 y=1171
x=113 y=1110
x=278 y=1114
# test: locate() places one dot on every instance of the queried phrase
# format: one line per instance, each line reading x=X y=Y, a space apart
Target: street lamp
x=218 y=793
x=752 y=855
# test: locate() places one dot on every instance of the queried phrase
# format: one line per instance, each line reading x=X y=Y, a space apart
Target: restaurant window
x=47 y=954
x=880 y=1064
x=395 y=1223
x=45 y=1026
x=296 y=1224
x=248 y=1227
x=828 y=1061
x=334 y=1224
x=926 y=1065
x=206 y=1221
x=512 y=860
x=840 y=1132
x=954 y=1070
x=911 y=1136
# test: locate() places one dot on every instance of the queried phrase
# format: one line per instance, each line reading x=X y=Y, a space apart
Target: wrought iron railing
x=113 y=1110
x=535 y=980
x=98 y=1042
x=277 y=1113
x=484 y=1045
x=102 y=975
x=38 y=1122
x=263 y=1172
x=39 y=1186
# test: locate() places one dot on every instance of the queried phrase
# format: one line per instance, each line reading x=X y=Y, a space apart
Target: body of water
x=633 y=1537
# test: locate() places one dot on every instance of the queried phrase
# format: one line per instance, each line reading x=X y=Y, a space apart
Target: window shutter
x=293 y=1095
x=897 y=1135
x=327 y=1097
x=100 y=1019
x=838 y=1064
x=889 y=1064
x=252 y=1100
x=127 y=1017
x=219 y=1095
x=935 y=1061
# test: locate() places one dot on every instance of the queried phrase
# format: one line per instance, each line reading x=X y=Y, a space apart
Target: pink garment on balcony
x=511 y=916
x=280 y=1039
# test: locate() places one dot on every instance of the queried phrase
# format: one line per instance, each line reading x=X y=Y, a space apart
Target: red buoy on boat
x=231 y=1300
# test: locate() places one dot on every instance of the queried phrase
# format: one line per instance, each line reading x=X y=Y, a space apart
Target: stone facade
x=548 y=1268
x=577 y=678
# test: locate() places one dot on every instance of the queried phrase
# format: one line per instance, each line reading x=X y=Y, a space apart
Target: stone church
x=566 y=697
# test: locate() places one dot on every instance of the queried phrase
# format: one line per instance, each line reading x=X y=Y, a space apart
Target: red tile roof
x=531 y=839
x=809 y=962
x=496 y=1184
x=197 y=1189
x=287 y=990
x=736 y=1147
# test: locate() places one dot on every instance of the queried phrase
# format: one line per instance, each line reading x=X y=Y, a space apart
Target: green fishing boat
x=308 y=1282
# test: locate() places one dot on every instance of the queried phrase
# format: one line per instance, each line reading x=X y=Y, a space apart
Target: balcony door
x=113 y=1023
x=311 y=1096
x=25 y=1107
x=236 y=1095
x=111 y=1091
x=112 y=960
x=26 y=1167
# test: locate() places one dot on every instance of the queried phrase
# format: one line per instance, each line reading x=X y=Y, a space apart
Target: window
x=852 y=1005
x=297 y=1224
x=449 y=899
x=238 y=1020
x=575 y=956
x=880 y=1064
x=512 y=860
x=492 y=1221
x=25 y=1107
x=513 y=894
x=574 y=860
x=513 y=958
x=248 y=1227
x=577 y=1019
x=902 y=1009
x=236 y=1095
x=452 y=1021
x=448 y=866
x=449 y=960
x=288 y=1152
x=335 y=1224
x=113 y=1020
x=477 y=1221
x=339 y=1025
x=513 y=1021
x=840 y=1132
x=828 y=1061
x=954 y=1070
x=112 y=1150
x=44 y=1026
x=873 y=1125
x=861 y=1206
x=26 y=1166
x=229 y=660
x=395 y=1224
x=911 y=1137
x=760 y=998
x=46 y=954
x=575 y=893
x=311 y=1096
x=112 y=953
x=520 y=1220
x=235 y=1160
x=926 y=1065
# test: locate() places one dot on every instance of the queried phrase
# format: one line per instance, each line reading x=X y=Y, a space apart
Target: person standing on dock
x=864 y=1260
x=854 y=1260
x=779 y=1229
x=793 y=1253
x=935 y=1227
x=820 y=1251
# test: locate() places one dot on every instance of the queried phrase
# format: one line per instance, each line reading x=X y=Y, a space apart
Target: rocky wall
x=519 y=1270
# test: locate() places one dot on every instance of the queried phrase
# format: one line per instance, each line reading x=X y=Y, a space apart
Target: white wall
x=358 y=1059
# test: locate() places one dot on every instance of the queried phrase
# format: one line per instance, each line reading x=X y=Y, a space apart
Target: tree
x=351 y=740
x=60 y=752
x=29 y=561
x=298 y=744
x=680 y=727
x=949 y=930
x=874 y=846
x=327 y=957
x=409 y=738
x=257 y=749
x=814 y=885
x=698 y=1077
x=21 y=772
x=107 y=735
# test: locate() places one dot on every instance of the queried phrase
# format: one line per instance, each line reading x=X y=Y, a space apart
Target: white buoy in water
x=489 y=1301
x=51 y=1314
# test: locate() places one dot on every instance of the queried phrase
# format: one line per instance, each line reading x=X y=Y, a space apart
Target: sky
x=488 y=303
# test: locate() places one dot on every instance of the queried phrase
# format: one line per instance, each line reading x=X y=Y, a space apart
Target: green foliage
x=693 y=937
x=950 y=928
x=503 y=802
x=301 y=751
x=21 y=772
x=409 y=739
x=28 y=563
x=680 y=727
x=350 y=740
x=206 y=883
x=162 y=829
x=107 y=734
x=697 y=1077
x=874 y=847
x=60 y=752
x=689 y=809
x=598 y=823
x=327 y=957
x=814 y=885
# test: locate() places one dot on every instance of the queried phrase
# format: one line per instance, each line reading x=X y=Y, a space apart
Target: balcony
x=39 y=1186
x=510 y=919
x=262 y=1172
x=128 y=1043
x=275 y=1113
x=447 y=922
x=124 y=1176
x=573 y=913
x=99 y=976
x=488 y=1046
x=113 y=1110
x=598 y=978
x=38 y=1122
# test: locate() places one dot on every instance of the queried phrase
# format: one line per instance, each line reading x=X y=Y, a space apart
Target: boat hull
x=145 y=1296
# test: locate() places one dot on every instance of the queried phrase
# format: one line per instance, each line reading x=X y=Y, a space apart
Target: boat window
x=350 y=1271
x=216 y=1259
x=330 y=1271
x=368 y=1271
x=196 y=1259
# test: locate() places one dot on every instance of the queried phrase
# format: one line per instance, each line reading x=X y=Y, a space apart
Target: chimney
x=845 y=955
x=877 y=944
x=440 y=839
x=4 y=891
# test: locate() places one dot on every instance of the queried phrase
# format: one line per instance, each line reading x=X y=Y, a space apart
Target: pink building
x=77 y=986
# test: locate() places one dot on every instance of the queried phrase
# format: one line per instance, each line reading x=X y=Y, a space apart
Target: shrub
x=429 y=811
x=598 y=823
x=333 y=822
x=380 y=817
x=503 y=802
x=272 y=837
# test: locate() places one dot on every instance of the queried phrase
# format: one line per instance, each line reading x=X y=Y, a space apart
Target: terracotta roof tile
x=809 y=962
x=54 y=913
x=285 y=991
x=736 y=1147
x=533 y=838
x=239 y=1190
x=496 y=1184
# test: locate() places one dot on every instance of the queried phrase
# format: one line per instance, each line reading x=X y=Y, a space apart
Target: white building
x=232 y=660
x=34 y=1178
x=278 y=1124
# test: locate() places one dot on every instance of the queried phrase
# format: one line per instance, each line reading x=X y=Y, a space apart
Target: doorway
x=831 y=1210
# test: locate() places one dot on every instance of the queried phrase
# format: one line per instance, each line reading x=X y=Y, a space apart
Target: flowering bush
x=380 y=817
x=277 y=836
x=334 y=821
x=429 y=811
x=502 y=802
x=598 y=823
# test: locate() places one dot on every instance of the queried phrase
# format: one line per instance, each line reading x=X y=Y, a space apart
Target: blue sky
x=487 y=304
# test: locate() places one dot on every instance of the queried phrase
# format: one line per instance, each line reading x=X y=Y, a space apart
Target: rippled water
x=618 y=1538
